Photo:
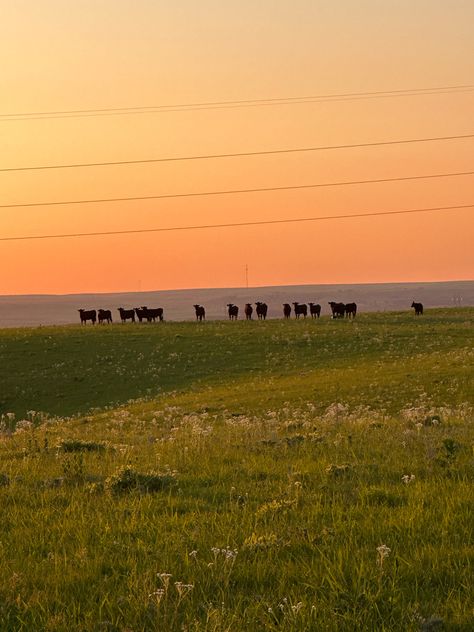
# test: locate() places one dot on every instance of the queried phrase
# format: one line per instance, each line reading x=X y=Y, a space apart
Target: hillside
x=276 y=476
x=178 y=304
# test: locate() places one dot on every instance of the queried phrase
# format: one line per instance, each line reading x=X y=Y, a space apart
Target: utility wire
x=239 y=154
x=207 y=105
x=238 y=191
x=237 y=224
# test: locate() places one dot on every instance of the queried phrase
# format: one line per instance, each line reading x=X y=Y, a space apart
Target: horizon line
x=237 y=287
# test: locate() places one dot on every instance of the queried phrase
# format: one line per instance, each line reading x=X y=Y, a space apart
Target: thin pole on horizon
x=247 y=275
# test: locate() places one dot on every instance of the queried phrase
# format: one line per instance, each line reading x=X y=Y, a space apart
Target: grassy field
x=239 y=476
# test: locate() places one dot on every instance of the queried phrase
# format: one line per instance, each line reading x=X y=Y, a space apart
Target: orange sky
x=99 y=54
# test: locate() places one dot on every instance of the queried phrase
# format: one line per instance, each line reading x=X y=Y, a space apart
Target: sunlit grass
x=316 y=477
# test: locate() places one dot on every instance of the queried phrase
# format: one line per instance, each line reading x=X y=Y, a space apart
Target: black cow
x=338 y=309
x=104 y=315
x=151 y=314
x=262 y=309
x=233 y=311
x=418 y=307
x=248 y=311
x=314 y=310
x=351 y=310
x=88 y=315
x=286 y=310
x=200 y=312
x=126 y=314
x=141 y=314
x=300 y=309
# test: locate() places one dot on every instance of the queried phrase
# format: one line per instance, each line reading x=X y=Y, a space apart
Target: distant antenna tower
x=246 y=275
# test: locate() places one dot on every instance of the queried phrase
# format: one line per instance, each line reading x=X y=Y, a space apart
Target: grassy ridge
x=288 y=476
x=69 y=370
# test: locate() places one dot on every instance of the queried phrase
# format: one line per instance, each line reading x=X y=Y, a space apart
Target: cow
x=88 y=315
x=200 y=312
x=300 y=309
x=262 y=309
x=152 y=313
x=233 y=311
x=286 y=310
x=314 y=310
x=126 y=314
x=141 y=314
x=104 y=315
x=418 y=307
x=351 y=310
x=338 y=309
x=248 y=311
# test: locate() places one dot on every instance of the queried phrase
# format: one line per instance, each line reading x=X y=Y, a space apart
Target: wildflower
x=183 y=589
x=383 y=552
x=165 y=579
x=157 y=594
x=228 y=554
x=408 y=478
x=193 y=554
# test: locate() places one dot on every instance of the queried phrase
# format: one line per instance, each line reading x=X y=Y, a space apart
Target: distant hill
x=34 y=310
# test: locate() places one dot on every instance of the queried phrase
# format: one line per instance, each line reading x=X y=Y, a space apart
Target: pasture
x=240 y=476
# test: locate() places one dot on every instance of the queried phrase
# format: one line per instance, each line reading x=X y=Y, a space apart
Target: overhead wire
x=240 y=191
x=269 y=152
x=237 y=224
x=228 y=104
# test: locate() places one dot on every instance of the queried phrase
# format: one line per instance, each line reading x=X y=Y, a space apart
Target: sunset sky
x=92 y=54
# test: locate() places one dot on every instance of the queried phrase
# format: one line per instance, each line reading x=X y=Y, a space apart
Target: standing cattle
x=200 y=312
x=104 y=315
x=314 y=310
x=351 y=310
x=248 y=311
x=338 y=309
x=88 y=315
x=262 y=309
x=300 y=309
x=286 y=310
x=233 y=311
x=418 y=307
x=140 y=314
x=126 y=314
x=151 y=314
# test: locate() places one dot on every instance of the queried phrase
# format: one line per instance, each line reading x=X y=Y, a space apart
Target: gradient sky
x=59 y=55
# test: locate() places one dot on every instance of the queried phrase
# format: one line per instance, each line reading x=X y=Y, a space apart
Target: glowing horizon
x=107 y=54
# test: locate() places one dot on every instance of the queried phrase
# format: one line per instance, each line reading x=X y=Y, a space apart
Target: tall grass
x=316 y=478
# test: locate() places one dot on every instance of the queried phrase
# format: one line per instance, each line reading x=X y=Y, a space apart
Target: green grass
x=259 y=463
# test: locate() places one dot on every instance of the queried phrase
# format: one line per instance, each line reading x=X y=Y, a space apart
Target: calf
x=351 y=310
x=248 y=311
x=314 y=310
x=88 y=315
x=151 y=314
x=338 y=309
x=200 y=312
x=104 y=315
x=126 y=314
x=300 y=309
x=262 y=309
x=418 y=307
x=141 y=314
x=233 y=311
x=286 y=310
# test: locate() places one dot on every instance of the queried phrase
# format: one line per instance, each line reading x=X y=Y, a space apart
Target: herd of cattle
x=338 y=310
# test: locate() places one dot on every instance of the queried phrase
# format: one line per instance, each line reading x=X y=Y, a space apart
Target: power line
x=207 y=105
x=238 y=191
x=239 y=154
x=237 y=224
